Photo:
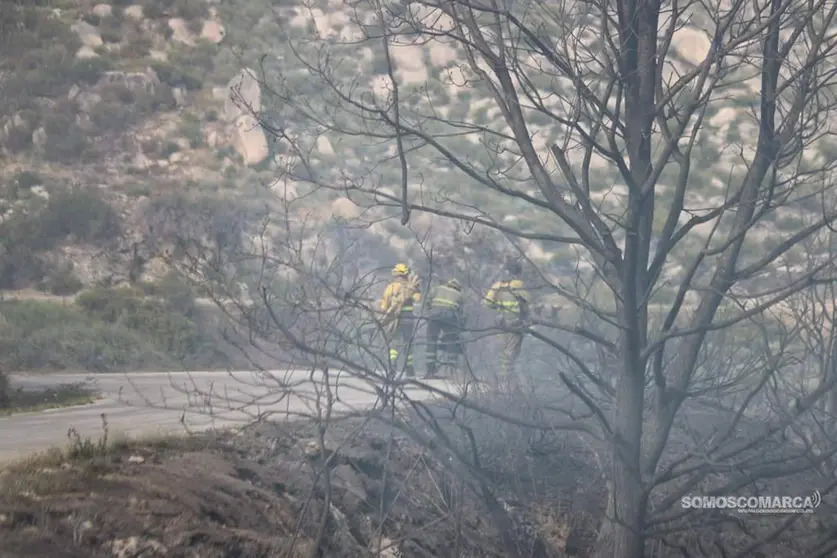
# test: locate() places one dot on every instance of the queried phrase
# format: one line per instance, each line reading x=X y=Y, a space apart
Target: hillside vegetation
x=110 y=329
x=128 y=145
x=129 y=138
x=113 y=124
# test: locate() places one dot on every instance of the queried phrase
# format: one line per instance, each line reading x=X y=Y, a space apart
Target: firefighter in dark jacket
x=445 y=319
x=510 y=299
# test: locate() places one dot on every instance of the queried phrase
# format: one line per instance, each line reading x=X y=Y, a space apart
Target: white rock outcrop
x=241 y=106
x=344 y=208
x=86 y=52
x=88 y=34
x=134 y=12
x=180 y=31
x=102 y=10
x=324 y=146
x=213 y=32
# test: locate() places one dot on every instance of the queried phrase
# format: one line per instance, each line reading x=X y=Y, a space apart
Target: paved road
x=151 y=402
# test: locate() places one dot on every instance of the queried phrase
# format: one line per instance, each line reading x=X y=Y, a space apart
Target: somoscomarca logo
x=754 y=504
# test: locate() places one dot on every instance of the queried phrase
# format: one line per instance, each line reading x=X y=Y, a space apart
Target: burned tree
x=677 y=155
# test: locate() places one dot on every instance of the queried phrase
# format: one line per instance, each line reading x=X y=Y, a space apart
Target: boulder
x=134 y=12
x=141 y=161
x=87 y=101
x=39 y=138
x=86 y=52
x=180 y=31
x=88 y=34
x=18 y=121
x=324 y=146
x=244 y=95
x=220 y=93
x=180 y=97
x=213 y=32
x=102 y=10
x=250 y=140
x=241 y=107
x=344 y=208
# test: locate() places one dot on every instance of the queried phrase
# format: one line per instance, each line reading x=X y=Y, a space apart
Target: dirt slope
x=246 y=496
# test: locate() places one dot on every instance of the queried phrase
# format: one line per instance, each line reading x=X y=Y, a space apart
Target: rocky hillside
x=129 y=125
x=115 y=113
x=126 y=129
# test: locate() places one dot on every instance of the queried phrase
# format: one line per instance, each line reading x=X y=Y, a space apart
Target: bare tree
x=676 y=155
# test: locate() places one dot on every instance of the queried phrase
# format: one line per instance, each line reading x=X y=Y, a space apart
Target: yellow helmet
x=400 y=270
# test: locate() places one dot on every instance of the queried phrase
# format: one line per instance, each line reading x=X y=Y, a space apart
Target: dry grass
x=34 y=401
x=108 y=444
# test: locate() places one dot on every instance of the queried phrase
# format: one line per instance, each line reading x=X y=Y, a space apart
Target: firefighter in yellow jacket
x=512 y=302
x=398 y=306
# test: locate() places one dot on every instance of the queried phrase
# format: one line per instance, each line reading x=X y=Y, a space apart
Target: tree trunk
x=4 y=390
x=621 y=533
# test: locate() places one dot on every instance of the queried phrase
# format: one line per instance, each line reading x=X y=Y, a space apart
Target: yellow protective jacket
x=509 y=296
x=393 y=296
x=446 y=298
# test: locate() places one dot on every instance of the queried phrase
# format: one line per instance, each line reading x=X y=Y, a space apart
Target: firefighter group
x=401 y=304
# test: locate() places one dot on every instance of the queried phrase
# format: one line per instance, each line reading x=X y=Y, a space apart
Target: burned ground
x=253 y=495
x=263 y=492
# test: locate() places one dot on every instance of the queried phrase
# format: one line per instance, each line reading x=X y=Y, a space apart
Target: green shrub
x=27 y=179
x=38 y=57
x=195 y=26
x=109 y=304
x=190 y=9
x=117 y=92
x=91 y=18
x=188 y=68
x=88 y=70
x=191 y=129
x=18 y=140
x=19 y=243
x=34 y=48
x=41 y=72
x=162 y=98
x=176 y=75
x=4 y=390
x=63 y=283
x=167 y=149
x=155 y=9
x=65 y=141
x=87 y=346
x=81 y=213
x=134 y=189
x=178 y=294
x=172 y=333
x=122 y=107
x=136 y=48
x=28 y=316
x=112 y=116
x=125 y=332
x=111 y=36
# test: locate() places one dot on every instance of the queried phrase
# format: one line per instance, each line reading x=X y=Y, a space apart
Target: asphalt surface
x=145 y=403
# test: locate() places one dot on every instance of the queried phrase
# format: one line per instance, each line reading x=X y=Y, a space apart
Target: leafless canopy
x=665 y=167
